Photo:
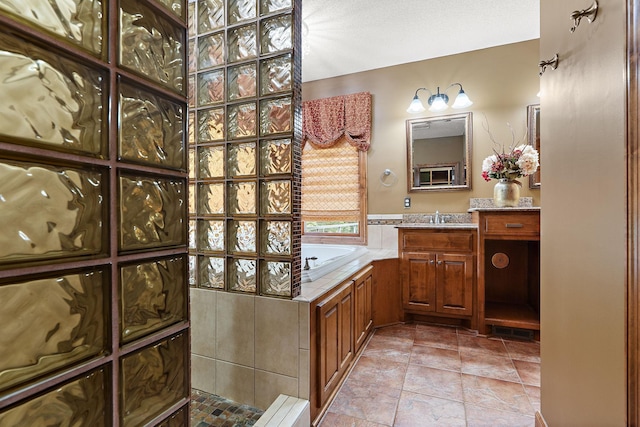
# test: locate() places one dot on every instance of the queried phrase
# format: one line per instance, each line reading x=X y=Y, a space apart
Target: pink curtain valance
x=325 y=121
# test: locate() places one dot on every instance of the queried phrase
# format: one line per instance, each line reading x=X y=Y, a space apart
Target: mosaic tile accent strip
x=426 y=218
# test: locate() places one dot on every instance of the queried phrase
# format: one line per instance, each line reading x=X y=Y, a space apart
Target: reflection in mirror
x=533 y=125
x=439 y=153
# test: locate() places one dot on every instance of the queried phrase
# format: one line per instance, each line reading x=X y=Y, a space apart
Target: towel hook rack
x=552 y=63
x=589 y=13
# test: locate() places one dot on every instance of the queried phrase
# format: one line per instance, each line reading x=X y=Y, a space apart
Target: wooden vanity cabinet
x=363 y=291
x=438 y=271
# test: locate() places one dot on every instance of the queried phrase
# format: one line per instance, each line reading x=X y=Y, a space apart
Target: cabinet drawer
x=513 y=225
x=438 y=241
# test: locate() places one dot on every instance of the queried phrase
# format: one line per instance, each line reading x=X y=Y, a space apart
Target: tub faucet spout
x=306 y=262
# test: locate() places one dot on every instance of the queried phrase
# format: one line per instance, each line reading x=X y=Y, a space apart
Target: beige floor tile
x=433 y=382
x=427 y=411
x=440 y=358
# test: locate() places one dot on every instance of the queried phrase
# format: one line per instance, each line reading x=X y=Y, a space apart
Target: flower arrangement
x=520 y=160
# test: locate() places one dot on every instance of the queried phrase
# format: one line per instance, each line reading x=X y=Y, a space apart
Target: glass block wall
x=93 y=207
x=244 y=146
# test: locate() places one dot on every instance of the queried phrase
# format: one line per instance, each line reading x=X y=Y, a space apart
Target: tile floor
x=420 y=375
x=209 y=410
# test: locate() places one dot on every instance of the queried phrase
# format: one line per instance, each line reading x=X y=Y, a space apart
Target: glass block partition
x=94 y=210
x=244 y=146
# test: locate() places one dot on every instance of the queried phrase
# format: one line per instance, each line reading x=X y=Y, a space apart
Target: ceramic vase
x=506 y=193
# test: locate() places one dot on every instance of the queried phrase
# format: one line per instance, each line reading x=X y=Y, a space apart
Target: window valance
x=325 y=121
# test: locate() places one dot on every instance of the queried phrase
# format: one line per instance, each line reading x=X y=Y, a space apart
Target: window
x=334 y=205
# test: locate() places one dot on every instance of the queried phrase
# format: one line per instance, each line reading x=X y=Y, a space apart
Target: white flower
x=488 y=163
x=528 y=161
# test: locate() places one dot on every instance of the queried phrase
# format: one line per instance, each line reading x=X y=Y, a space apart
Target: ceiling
x=349 y=36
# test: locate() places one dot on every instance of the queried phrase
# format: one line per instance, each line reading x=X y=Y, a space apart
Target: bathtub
x=329 y=258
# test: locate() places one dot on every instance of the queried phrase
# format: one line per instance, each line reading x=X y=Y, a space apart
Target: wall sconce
x=439 y=101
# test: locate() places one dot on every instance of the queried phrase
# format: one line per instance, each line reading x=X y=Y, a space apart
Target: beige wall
x=583 y=224
x=501 y=81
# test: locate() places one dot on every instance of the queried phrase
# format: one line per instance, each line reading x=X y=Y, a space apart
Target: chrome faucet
x=306 y=262
x=437 y=217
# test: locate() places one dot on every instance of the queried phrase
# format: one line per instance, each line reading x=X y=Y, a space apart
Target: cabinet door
x=419 y=281
x=363 y=288
x=335 y=339
x=454 y=290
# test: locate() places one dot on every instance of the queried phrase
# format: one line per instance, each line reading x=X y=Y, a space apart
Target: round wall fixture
x=500 y=260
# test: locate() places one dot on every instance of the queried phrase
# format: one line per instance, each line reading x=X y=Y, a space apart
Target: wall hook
x=589 y=13
x=553 y=63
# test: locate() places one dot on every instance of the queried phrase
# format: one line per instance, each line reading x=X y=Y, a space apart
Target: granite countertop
x=516 y=209
x=445 y=226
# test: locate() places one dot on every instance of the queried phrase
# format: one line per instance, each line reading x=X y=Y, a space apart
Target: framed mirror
x=533 y=126
x=439 y=153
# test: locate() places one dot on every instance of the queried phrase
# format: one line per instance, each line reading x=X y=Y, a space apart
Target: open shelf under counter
x=519 y=316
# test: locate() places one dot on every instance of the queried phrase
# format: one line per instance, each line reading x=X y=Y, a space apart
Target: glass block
x=192 y=163
x=179 y=418
x=50 y=212
x=276 y=75
x=210 y=15
x=151 y=46
x=193 y=271
x=241 y=10
x=242 y=159
x=270 y=6
x=191 y=19
x=242 y=43
x=275 y=197
x=211 y=162
x=191 y=95
x=211 y=87
x=65 y=405
x=275 y=156
x=243 y=237
x=242 y=198
x=211 y=125
x=276 y=116
x=210 y=51
x=151 y=129
x=153 y=379
x=151 y=296
x=211 y=272
x=276 y=34
x=242 y=275
x=192 y=199
x=77 y=21
x=242 y=121
x=49 y=100
x=275 y=278
x=175 y=6
x=276 y=238
x=193 y=56
x=242 y=81
x=211 y=199
x=51 y=323
x=192 y=235
x=210 y=236
x=192 y=127
x=152 y=212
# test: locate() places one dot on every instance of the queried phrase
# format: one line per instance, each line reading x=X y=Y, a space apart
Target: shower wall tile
x=304 y=373
x=304 y=325
x=276 y=34
x=276 y=116
x=235 y=382
x=270 y=385
x=203 y=323
x=241 y=10
x=276 y=156
x=277 y=336
x=275 y=278
x=211 y=162
x=210 y=15
x=270 y=6
x=210 y=51
x=211 y=272
x=211 y=125
x=235 y=331
x=276 y=75
x=203 y=373
x=243 y=275
x=211 y=87
x=243 y=43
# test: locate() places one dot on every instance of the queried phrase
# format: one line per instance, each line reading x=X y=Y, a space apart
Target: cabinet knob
x=431 y=261
x=439 y=262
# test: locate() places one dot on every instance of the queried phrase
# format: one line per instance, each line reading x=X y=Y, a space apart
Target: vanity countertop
x=516 y=209
x=445 y=226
